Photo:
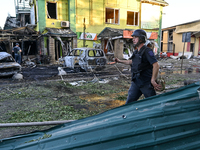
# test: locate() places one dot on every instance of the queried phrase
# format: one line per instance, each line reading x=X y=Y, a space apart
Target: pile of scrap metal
x=8 y=65
x=181 y=55
x=29 y=63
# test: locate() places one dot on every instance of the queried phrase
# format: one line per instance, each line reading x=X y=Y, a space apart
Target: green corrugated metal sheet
x=166 y=121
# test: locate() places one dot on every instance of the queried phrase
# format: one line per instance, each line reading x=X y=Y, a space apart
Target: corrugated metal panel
x=166 y=121
x=110 y=32
x=61 y=32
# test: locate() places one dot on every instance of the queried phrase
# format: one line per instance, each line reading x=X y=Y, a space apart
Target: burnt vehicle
x=85 y=59
x=8 y=65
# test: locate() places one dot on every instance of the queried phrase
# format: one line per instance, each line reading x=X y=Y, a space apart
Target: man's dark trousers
x=135 y=92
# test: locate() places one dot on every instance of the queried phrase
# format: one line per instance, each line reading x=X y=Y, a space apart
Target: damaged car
x=86 y=59
x=8 y=65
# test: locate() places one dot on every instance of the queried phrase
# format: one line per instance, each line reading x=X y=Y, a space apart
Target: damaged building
x=118 y=42
x=19 y=30
x=174 y=42
x=62 y=25
x=26 y=36
x=96 y=19
x=52 y=22
x=41 y=28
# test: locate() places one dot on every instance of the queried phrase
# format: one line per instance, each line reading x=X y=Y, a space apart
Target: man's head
x=17 y=44
x=139 y=36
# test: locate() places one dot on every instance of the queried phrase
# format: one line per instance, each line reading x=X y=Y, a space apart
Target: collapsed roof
x=61 y=32
x=17 y=34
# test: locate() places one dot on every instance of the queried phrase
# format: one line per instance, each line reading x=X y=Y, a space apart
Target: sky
x=178 y=12
x=6 y=7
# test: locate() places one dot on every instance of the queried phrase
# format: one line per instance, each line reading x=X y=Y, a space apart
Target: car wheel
x=98 y=62
x=77 y=69
x=102 y=62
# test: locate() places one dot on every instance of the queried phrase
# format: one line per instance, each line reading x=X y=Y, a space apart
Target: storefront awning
x=150 y=35
x=188 y=27
x=196 y=34
x=110 y=33
x=126 y=34
x=61 y=32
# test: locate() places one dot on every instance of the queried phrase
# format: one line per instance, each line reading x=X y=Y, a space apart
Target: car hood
x=9 y=65
x=4 y=55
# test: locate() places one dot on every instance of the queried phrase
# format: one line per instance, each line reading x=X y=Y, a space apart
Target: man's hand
x=156 y=86
x=126 y=62
x=116 y=60
x=154 y=76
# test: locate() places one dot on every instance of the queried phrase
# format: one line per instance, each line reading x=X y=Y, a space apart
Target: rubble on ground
x=17 y=76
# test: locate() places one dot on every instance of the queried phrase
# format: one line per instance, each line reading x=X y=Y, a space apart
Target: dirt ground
x=43 y=95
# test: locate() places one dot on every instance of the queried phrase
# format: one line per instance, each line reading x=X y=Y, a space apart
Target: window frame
x=106 y=19
x=55 y=10
x=72 y=53
x=78 y=51
x=95 y=51
x=134 y=19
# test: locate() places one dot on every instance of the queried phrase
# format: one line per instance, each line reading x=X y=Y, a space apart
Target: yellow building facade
x=117 y=14
x=173 y=41
x=84 y=20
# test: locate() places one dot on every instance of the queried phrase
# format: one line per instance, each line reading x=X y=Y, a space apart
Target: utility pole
x=160 y=32
x=84 y=32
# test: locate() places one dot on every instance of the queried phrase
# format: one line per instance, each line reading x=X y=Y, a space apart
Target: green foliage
x=121 y=97
x=56 y=100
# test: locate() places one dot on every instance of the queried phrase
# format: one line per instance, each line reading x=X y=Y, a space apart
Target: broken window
x=95 y=53
x=51 y=10
x=170 y=35
x=27 y=19
x=7 y=59
x=90 y=53
x=112 y=16
x=30 y=48
x=99 y=53
x=191 y=47
x=71 y=53
x=78 y=52
x=170 y=47
x=132 y=18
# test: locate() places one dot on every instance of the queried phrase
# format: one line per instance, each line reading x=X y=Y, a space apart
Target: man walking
x=17 y=52
x=144 y=68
